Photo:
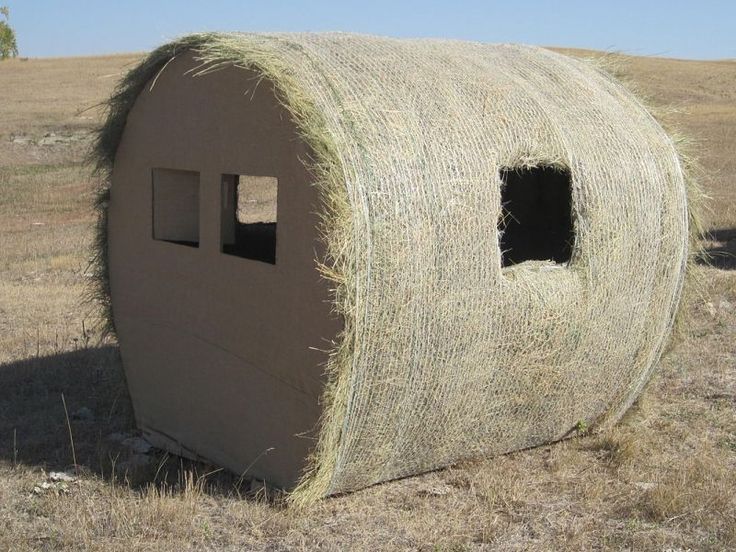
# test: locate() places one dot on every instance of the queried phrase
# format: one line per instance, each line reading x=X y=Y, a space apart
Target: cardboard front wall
x=224 y=356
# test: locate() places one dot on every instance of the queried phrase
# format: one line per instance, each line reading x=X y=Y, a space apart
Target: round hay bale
x=452 y=348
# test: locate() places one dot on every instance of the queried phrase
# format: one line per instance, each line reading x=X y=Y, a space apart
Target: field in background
x=664 y=478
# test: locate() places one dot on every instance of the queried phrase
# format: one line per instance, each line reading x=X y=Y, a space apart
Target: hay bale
x=447 y=354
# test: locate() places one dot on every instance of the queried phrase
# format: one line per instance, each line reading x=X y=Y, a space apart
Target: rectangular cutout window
x=176 y=206
x=248 y=214
x=536 y=215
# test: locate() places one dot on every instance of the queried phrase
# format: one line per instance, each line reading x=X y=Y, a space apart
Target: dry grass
x=702 y=97
x=663 y=478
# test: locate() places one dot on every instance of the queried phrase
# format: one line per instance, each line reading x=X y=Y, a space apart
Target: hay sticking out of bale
x=445 y=355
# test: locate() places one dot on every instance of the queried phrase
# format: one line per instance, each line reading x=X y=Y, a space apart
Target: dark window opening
x=536 y=217
x=249 y=209
x=175 y=196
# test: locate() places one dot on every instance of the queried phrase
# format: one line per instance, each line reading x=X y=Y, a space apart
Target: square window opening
x=175 y=196
x=536 y=215
x=249 y=217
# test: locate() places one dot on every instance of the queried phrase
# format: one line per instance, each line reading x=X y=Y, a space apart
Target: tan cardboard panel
x=223 y=355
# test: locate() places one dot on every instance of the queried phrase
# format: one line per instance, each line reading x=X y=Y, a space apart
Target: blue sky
x=675 y=28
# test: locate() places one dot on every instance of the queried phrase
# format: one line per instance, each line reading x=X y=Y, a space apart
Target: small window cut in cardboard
x=536 y=215
x=175 y=196
x=249 y=217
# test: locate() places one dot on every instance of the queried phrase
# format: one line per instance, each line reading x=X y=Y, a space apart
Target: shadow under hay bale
x=34 y=431
x=720 y=249
x=33 y=425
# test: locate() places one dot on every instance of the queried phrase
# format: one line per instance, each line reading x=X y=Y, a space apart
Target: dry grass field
x=663 y=479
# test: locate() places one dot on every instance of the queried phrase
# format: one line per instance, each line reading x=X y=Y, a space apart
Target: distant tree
x=8 y=46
